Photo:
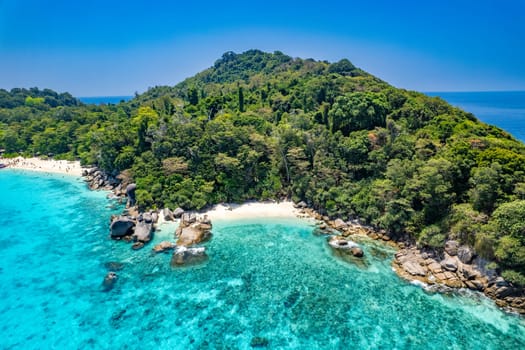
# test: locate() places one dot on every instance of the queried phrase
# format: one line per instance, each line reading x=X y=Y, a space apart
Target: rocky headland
x=452 y=269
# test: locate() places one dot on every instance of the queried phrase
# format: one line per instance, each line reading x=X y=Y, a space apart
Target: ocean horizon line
x=422 y=91
x=471 y=91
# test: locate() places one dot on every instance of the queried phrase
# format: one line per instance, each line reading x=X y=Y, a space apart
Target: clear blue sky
x=94 y=48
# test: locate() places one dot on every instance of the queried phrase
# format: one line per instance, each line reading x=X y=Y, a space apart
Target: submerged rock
x=342 y=244
x=164 y=246
x=339 y=242
x=137 y=245
x=109 y=281
x=357 y=252
x=183 y=256
x=259 y=342
x=114 y=266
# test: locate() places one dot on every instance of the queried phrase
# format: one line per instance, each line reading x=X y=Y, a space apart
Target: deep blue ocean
x=505 y=109
x=272 y=279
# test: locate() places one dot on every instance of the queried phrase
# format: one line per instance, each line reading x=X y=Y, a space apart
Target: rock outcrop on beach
x=143 y=232
x=143 y=229
x=193 y=230
x=177 y=213
x=133 y=227
x=457 y=268
x=99 y=180
x=130 y=192
x=167 y=214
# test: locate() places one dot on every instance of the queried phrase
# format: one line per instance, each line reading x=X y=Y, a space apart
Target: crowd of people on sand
x=43 y=165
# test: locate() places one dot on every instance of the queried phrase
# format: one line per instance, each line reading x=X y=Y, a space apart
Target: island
x=358 y=152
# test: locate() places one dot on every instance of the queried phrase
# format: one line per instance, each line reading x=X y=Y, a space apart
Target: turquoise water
x=273 y=279
x=505 y=109
x=104 y=99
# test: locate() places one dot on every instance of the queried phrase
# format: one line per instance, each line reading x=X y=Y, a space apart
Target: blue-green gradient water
x=505 y=109
x=272 y=279
x=104 y=99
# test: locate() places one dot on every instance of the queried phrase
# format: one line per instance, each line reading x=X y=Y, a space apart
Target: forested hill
x=258 y=125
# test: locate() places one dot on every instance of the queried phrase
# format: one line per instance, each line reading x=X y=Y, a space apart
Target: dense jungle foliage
x=258 y=125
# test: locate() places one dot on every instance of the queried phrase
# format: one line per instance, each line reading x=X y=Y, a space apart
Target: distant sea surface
x=96 y=100
x=504 y=109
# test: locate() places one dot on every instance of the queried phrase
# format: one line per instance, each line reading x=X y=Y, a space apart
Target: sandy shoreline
x=44 y=165
x=253 y=210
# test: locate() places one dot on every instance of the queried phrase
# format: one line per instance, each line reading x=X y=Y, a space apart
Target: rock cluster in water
x=137 y=228
x=456 y=267
x=344 y=245
x=100 y=180
x=192 y=231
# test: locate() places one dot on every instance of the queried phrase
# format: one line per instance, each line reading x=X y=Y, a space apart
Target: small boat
x=2 y=165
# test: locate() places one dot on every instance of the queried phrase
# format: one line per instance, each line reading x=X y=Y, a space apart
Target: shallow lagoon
x=272 y=279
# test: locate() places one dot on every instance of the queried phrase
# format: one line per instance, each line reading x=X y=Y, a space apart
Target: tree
x=193 y=96
x=358 y=111
x=241 y=99
x=508 y=223
x=485 y=187
x=430 y=189
x=145 y=118
x=343 y=67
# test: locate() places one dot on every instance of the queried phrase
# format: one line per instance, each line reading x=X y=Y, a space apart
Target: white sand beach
x=44 y=165
x=253 y=210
